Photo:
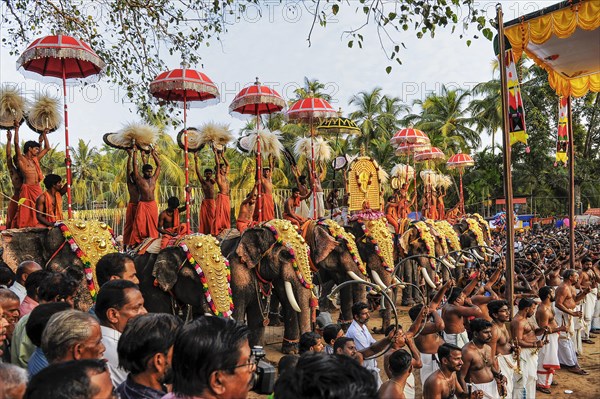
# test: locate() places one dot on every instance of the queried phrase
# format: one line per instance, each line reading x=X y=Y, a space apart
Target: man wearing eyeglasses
x=212 y=360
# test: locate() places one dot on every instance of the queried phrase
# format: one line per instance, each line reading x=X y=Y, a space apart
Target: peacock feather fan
x=44 y=115
x=12 y=107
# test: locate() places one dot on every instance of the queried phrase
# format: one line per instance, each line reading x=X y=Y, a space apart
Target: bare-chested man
x=265 y=207
x=391 y=213
x=443 y=384
x=289 y=209
x=588 y=280
x=400 y=368
x=500 y=344
x=169 y=223
x=429 y=340
x=222 y=203
x=206 y=221
x=478 y=362
x=317 y=211
x=15 y=179
x=453 y=314
x=304 y=188
x=134 y=198
x=49 y=203
x=244 y=217
x=481 y=299
x=146 y=215
x=524 y=333
x=28 y=163
x=548 y=356
x=565 y=306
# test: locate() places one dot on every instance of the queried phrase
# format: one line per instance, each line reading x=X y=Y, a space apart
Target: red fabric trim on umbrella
x=432 y=153
x=409 y=135
x=177 y=84
x=257 y=99
x=409 y=148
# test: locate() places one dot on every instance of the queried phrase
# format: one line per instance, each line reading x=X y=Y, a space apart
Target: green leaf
x=350 y=43
x=335 y=9
x=388 y=69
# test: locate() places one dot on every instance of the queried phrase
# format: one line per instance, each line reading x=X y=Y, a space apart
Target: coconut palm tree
x=368 y=116
x=311 y=88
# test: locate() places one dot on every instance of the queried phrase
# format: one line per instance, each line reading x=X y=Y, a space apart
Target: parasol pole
x=258 y=167
x=67 y=156
x=314 y=170
x=571 y=185
x=186 y=162
x=508 y=191
x=416 y=195
x=461 y=201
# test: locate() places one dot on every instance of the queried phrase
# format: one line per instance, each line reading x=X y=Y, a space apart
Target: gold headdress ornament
x=427 y=237
x=445 y=228
x=204 y=254
x=338 y=232
x=285 y=233
x=485 y=224
x=476 y=229
x=377 y=231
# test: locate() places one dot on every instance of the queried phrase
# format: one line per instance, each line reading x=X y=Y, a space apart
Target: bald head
x=25 y=269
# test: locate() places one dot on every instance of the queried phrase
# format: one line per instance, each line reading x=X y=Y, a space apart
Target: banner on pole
x=562 y=137
x=516 y=112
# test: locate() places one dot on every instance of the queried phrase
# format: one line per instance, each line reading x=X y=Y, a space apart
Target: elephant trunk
x=427 y=278
x=354 y=276
x=378 y=280
x=289 y=291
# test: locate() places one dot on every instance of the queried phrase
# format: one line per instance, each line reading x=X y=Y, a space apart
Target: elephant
x=171 y=284
x=473 y=236
x=262 y=264
x=334 y=254
x=375 y=246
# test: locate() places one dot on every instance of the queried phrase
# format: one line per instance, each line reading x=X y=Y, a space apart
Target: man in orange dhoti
x=244 y=218
x=391 y=213
x=290 y=206
x=134 y=198
x=28 y=164
x=146 y=215
x=206 y=222
x=222 y=203
x=169 y=224
x=265 y=209
x=404 y=202
x=49 y=203
x=16 y=180
x=441 y=207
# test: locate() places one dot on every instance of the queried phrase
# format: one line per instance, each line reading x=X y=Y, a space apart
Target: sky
x=274 y=48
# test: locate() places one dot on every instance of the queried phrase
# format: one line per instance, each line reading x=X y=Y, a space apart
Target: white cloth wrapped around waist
x=460 y=339
x=490 y=389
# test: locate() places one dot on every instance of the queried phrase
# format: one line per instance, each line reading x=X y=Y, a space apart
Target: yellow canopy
x=564 y=39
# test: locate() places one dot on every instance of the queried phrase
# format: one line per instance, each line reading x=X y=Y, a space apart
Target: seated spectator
x=346 y=346
x=13 y=381
x=7 y=276
x=31 y=286
x=287 y=362
x=81 y=379
x=35 y=327
x=400 y=364
x=212 y=359
x=146 y=351
x=72 y=335
x=117 y=302
x=55 y=287
x=310 y=342
x=9 y=302
x=330 y=334
x=24 y=269
x=322 y=376
x=116 y=266
x=3 y=324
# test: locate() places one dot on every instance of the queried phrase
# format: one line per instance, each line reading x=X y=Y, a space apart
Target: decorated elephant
x=272 y=258
x=189 y=279
x=474 y=234
x=334 y=254
x=375 y=246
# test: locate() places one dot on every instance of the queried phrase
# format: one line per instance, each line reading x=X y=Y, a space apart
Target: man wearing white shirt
x=24 y=269
x=117 y=302
x=365 y=343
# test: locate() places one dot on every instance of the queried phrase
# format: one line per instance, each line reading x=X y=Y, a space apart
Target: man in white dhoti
x=548 y=356
x=302 y=210
x=502 y=349
x=564 y=307
x=588 y=279
x=453 y=314
x=524 y=332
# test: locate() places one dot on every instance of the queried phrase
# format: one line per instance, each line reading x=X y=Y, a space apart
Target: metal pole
x=259 y=201
x=67 y=157
x=508 y=191
x=314 y=167
x=186 y=163
x=571 y=186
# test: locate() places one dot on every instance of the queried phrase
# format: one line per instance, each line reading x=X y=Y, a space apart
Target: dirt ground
x=583 y=387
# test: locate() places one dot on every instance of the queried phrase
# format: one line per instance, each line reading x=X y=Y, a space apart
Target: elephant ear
x=406 y=238
x=165 y=268
x=321 y=244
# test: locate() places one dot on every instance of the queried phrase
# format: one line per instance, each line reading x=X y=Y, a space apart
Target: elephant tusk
x=378 y=280
x=467 y=259
x=447 y=263
x=475 y=254
x=289 y=291
x=427 y=278
x=354 y=276
x=461 y=264
x=400 y=283
x=490 y=252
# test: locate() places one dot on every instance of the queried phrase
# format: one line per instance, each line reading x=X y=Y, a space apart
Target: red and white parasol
x=307 y=110
x=433 y=153
x=257 y=100
x=62 y=57
x=409 y=135
x=460 y=161
x=183 y=86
